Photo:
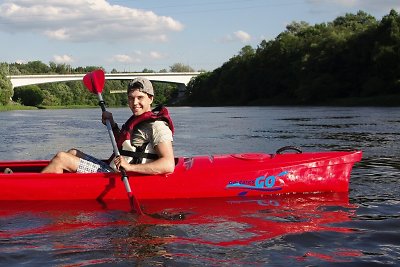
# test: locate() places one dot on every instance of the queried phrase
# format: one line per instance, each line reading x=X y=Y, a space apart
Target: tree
x=353 y=56
x=355 y=23
x=164 y=92
x=145 y=70
x=247 y=52
x=297 y=27
x=6 y=89
x=29 y=95
x=60 y=68
x=179 y=67
x=36 y=67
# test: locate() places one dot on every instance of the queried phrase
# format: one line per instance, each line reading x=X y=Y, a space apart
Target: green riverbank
x=22 y=107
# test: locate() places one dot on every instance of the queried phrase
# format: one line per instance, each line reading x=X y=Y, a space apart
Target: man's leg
x=68 y=161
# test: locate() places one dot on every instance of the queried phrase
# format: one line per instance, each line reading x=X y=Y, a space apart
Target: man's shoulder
x=158 y=124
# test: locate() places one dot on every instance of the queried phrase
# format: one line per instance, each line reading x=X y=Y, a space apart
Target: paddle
x=94 y=81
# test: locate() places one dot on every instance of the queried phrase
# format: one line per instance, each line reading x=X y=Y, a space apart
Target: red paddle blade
x=94 y=81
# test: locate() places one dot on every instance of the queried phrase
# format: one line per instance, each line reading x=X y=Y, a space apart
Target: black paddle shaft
x=102 y=105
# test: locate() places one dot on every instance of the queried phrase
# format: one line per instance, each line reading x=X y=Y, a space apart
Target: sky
x=129 y=35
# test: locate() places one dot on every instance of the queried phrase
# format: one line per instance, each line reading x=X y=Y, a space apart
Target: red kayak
x=251 y=174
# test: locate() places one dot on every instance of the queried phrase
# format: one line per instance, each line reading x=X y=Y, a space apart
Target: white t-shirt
x=153 y=133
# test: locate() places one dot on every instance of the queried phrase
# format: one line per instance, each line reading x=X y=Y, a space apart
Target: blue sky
x=132 y=35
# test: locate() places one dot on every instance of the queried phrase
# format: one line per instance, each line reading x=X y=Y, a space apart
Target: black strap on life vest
x=138 y=155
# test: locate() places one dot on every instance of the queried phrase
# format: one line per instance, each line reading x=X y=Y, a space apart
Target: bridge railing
x=171 y=77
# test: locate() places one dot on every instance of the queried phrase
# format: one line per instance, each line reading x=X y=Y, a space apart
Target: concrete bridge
x=180 y=78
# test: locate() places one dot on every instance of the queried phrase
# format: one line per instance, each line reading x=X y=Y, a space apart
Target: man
x=144 y=141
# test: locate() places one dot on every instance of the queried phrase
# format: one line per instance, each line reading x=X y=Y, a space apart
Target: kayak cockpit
x=36 y=166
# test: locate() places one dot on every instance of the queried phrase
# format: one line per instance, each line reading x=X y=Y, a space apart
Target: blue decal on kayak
x=262 y=183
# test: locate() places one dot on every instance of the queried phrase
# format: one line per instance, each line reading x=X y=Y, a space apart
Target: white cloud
x=137 y=57
x=122 y=59
x=84 y=20
x=63 y=59
x=156 y=55
x=60 y=34
x=240 y=36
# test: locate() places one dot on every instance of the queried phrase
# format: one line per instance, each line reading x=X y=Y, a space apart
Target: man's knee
x=65 y=160
x=74 y=151
x=60 y=156
x=60 y=162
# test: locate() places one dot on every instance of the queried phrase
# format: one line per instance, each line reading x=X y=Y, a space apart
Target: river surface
x=359 y=228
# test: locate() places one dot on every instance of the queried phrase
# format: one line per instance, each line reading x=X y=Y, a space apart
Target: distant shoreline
x=392 y=101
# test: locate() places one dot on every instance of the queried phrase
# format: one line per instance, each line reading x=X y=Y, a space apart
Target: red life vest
x=159 y=113
x=133 y=154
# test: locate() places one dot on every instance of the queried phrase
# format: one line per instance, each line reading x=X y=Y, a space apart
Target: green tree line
x=354 y=57
x=73 y=92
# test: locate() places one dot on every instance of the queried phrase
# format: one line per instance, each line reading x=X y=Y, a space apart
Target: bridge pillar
x=181 y=90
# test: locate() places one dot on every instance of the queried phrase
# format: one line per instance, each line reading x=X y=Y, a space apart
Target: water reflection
x=242 y=220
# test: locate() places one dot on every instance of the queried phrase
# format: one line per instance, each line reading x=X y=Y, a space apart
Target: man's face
x=139 y=102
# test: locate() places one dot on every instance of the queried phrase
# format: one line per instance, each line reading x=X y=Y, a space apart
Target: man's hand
x=121 y=162
x=107 y=116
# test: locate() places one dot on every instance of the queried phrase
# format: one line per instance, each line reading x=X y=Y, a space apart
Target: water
x=360 y=228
